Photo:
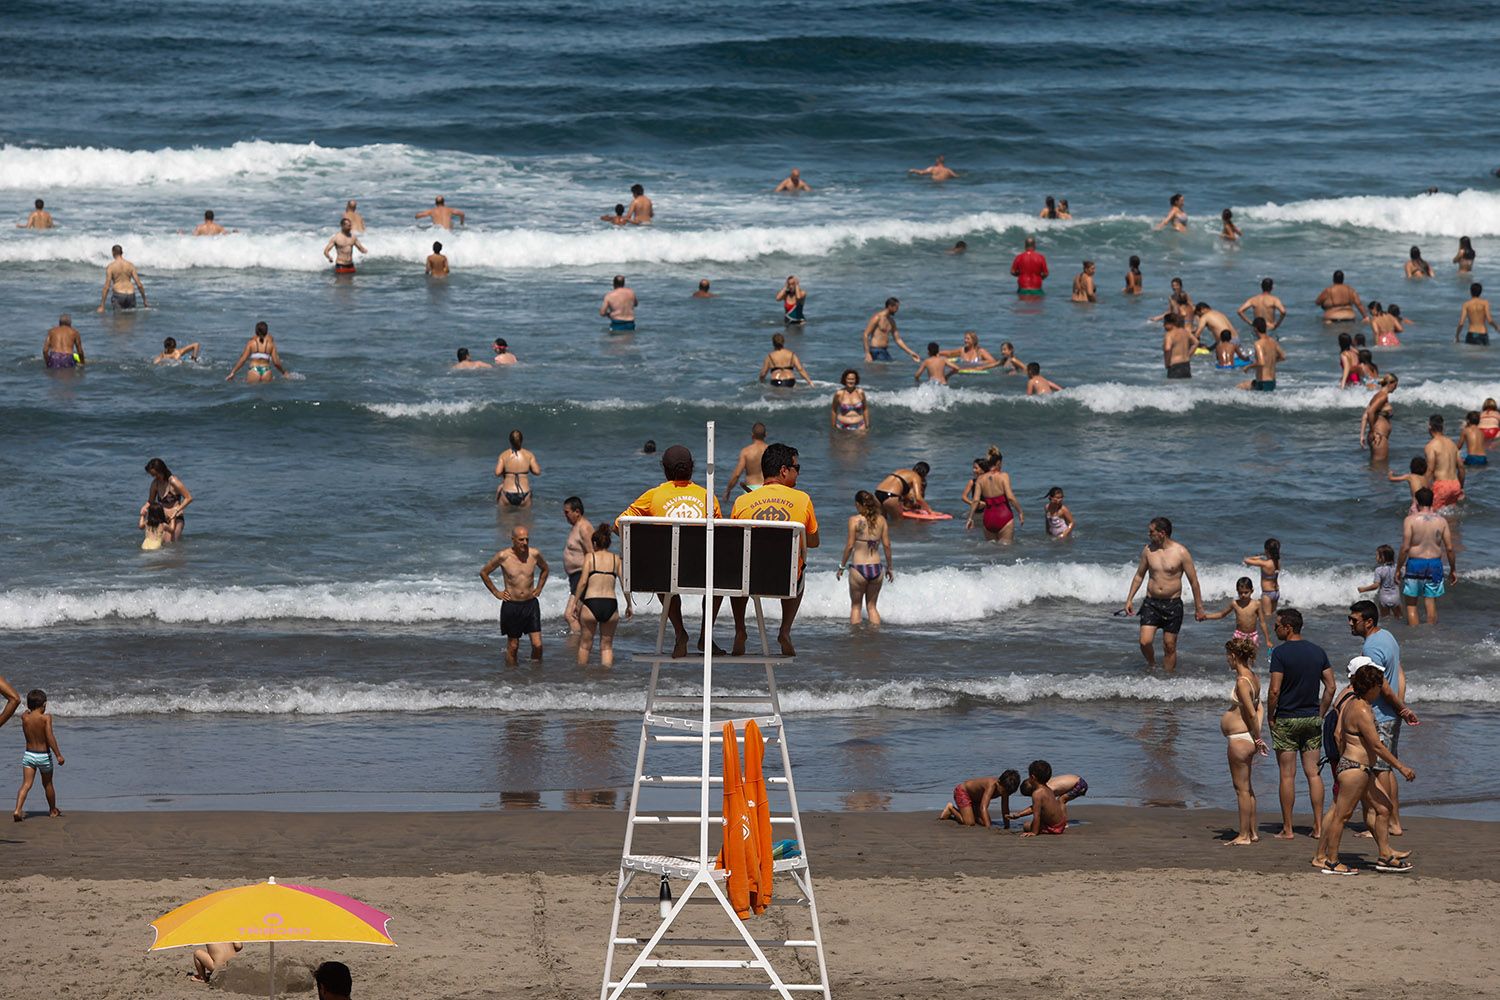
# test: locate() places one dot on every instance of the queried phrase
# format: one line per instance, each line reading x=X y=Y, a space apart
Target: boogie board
x=972 y=371
x=922 y=515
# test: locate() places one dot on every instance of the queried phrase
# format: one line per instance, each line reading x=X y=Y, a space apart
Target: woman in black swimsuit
x=596 y=598
x=168 y=491
x=904 y=489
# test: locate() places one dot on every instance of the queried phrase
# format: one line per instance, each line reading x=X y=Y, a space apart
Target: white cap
x=1360 y=661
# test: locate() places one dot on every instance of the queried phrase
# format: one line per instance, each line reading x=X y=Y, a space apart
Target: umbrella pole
x=271 y=978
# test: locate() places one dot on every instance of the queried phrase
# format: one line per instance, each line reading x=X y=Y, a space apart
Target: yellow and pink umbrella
x=268 y=912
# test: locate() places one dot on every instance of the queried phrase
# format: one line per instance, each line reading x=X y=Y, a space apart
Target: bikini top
x=858 y=407
x=594 y=568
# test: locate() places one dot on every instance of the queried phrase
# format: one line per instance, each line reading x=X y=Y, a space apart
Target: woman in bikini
x=782 y=365
x=851 y=409
x=971 y=357
x=869 y=533
x=1133 y=277
x=1416 y=267
x=1269 y=564
x=1384 y=326
x=598 y=608
x=1489 y=418
x=1465 y=256
x=260 y=351
x=1375 y=423
x=1241 y=726
x=1049 y=208
x=904 y=489
x=994 y=496
x=1177 y=216
x=1348 y=362
x=514 y=467
x=167 y=491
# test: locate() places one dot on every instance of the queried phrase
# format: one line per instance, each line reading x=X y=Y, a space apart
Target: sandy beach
x=1131 y=902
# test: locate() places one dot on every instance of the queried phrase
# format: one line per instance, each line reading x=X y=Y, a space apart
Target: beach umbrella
x=269 y=912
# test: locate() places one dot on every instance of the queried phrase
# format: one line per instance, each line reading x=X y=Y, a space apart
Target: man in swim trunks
x=464 y=363
x=777 y=500
x=881 y=330
x=514 y=467
x=971 y=799
x=520 y=611
x=1083 y=284
x=437 y=262
x=1030 y=269
x=61 y=344
x=641 y=211
x=346 y=243
x=1339 y=302
x=1267 y=353
x=39 y=218
x=441 y=214
x=792 y=298
x=1444 y=465
x=935 y=367
x=1425 y=536
x=703 y=292
x=575 y=552
x=1166 y=562
x=619 y=306
x=208 y=227
x=1214 y=322
x=939 y=171
x=121 y=282
x=1476 y=451
x=503 y=354
x=793 y=184
x=749 y=462
x=1177 y=347
x=356 y=221
x=1475 y=315
x=1265 y=306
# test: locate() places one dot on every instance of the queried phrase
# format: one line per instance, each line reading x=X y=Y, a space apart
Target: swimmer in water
x=464 y=364
x=617 y=219
x=1473 y=439
x=1008 y=362
x=171 y=352
x=881 y=330
x=994 y=496
x=703 y=292
x=1230 y=230
x=1177 y=347
x=1348 y=362
x=1062 y=209
x=1489 y=420
x=970 y=496
x=346 y=243
x=971 y=357
x=167 y=492
x=1180 y=303
x=1036 y=384
x=1375 y=422
x=1465 y=256
x=121 y=282
x=1265 y=306
x=1226 y=354
x=782 y=365
x=1339 y=301
x=1059 y=518
x=748 y=464
x=514 y=467
x=1049 y=208
x=1177 y=216
x=1249 y=616
x=441 y=214
x=1475 y=316
x=935 y=367
x=208 y=227
x=1416 y=479
x=1268 y=353
x=260 y=351
x=960 y=247
x=792 y=298
x=939 y=171
x=851 y=408
x=1416 y=267
x=1384 y=326
x=356 y=221
x=39 y=218
x=793 y=184
x=904 y=489
x=503 y=353
x=1083 y=284
x=619 y=306
x=1133 y=277
x=869 y=534
x=437 y=263
x=641 y=212
x=63 y=345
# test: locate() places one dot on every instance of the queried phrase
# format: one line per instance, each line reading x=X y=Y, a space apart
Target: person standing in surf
x=520 y=611
x=1165 y=561
x=441 y=214
x=1339 y=301
x=514 y=467
x=792 y=298
x=1266 y=306
x=994 y=496
x=748 y=464
x=869 y=533
x=1030 y=269
x=121 y=282
x=619 y=306
x=345 y=242
x=881 y=330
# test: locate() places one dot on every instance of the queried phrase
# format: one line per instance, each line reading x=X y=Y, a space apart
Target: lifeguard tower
x=712 y=558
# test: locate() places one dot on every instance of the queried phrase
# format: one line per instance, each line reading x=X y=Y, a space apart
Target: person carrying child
x=40 y=754
x=1249 y=614
x=971 y=799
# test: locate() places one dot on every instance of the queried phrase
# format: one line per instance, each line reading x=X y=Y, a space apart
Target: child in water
x=971 y=799
x=1386 y=583
x=41 y=754
x=1036 y=385
x=1059 y=518
x=1248 y=613
x=1230 y=230
x=1417 y=479
x=155 y=526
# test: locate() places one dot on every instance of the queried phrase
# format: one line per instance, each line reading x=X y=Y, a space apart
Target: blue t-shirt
x=1382 y=647
x=1301 y=664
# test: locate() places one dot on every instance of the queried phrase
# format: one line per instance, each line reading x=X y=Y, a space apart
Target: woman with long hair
x=1269 y=564
x=1241 y=726
x=869 y=533
x=260 y=351
x=167 y=492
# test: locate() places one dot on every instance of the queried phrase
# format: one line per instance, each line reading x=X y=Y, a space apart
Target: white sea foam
x=1468 y=213
x=84 y=167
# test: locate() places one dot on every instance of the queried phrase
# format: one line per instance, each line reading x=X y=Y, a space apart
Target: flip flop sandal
x=1338 y=868
x=1393 y=865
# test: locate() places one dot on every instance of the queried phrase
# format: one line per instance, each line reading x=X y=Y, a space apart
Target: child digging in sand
x=41 y=751
x=1066 y=787
x=963 y=809
x=1248 y=613
x=1049 y=814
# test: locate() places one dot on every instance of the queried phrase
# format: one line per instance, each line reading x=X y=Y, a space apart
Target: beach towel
x=758 y=804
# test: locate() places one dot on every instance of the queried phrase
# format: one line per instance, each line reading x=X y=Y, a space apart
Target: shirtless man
x=1475 y=315
x=1265 y=305
x=881 y=330
x=121 y=283
x=1166 y=562
x=437 y=262
x=514 y=467
x=703 y=290
x=793 y=184
x=619 y=306
x=939 y=171
x=1339 y=302
x=356 y=221
x=1424 y=539
x=61 y=344
x=575 y=552
x=1267 y=353
x=1177 y=347
x=935 y=367
x=441 y=214
x=208 y=227
x=618 y=218
x=520 y=612
x=39 y=218
x=641 y=211
x=1213 y=321
x=748 y=464
x=1038 y=384
x=503 y=354
x=1083 y=284
x=464 y=364
x=1444 y=465
x=1359 y=746
x=1476 y=445
x=347 y=243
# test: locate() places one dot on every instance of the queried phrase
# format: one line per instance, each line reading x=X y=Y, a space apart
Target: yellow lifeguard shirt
x=775 y=502
x=674 y=498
